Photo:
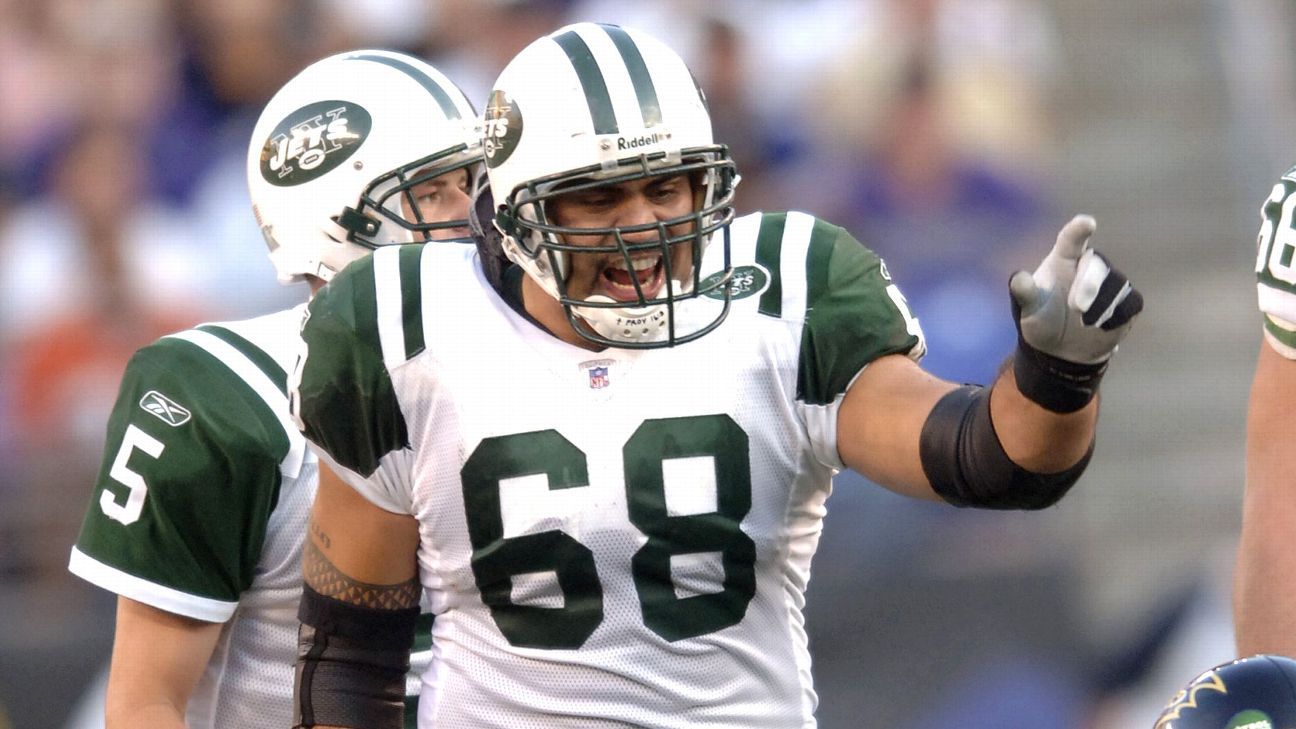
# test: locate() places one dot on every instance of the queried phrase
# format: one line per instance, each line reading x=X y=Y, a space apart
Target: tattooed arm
x=359 y=604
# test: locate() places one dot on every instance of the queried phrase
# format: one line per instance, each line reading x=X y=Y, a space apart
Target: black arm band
x=966 y=464
x=351 y=663
x=1055 y=384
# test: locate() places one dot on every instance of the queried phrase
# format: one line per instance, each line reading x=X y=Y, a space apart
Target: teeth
x=640 y=264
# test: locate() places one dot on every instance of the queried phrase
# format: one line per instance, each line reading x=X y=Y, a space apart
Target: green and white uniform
x=1276 y=265
x=201 y=504
x=609 y=538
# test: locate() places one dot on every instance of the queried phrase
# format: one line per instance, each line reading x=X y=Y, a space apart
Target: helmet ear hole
x=506 y=223
x=483 y=204
x=356 y=223
x=488 y=237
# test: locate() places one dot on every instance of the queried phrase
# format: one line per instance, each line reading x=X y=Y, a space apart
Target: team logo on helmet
x=1209 y=682
x=312 y=141
x=503 y=128
x=746 y=281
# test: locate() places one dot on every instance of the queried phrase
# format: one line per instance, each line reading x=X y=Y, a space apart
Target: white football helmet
x=592 y=105
x=338 y=149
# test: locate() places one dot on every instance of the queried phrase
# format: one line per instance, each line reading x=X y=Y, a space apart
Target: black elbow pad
x=966 y=464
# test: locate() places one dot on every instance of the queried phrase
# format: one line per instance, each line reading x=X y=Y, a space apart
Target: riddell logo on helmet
x=312 y=141
x=643 y=140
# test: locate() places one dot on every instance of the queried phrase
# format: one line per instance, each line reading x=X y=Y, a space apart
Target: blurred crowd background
x=952 y=136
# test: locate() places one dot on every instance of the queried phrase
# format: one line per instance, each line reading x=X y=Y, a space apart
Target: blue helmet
x=1251 y=693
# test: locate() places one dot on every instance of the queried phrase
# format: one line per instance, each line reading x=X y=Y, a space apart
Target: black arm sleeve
x=966 y=464
x=351 y=663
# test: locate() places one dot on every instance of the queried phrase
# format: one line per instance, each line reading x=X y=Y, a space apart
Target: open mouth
x=619 y=282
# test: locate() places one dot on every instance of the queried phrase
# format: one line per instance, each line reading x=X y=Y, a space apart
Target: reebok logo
x=166 y=409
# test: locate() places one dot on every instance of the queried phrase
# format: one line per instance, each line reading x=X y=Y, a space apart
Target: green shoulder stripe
x=854 y=314
x=819 y=256
x=398 y=302
x=411 y=288
x=259 y=373
x=255 y=354
x=353 y=333
x=769 y=248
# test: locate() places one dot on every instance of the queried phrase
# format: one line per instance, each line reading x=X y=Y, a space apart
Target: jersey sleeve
x=343 y=395
x=191 y=471
x=855 y=314
x=1276 y=266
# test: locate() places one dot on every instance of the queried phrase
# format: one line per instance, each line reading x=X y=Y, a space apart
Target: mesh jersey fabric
x=614 y=538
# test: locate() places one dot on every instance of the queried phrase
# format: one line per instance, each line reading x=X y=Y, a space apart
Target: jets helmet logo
x=503 y=128
x=166 y=409
x=312 y=141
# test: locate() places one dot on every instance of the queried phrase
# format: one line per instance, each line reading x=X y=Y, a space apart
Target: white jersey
x=615 y=538
x=201 y=505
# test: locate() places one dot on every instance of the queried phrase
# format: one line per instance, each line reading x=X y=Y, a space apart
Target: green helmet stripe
x=258 y=357
x=591 y=80
x=649 y=107
x=433 y=87
x=769 y=248
x=412 y=298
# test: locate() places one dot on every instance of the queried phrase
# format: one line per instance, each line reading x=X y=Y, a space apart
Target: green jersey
x=201 y=504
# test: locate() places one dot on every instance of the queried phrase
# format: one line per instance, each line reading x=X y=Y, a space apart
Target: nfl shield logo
x=598 y=377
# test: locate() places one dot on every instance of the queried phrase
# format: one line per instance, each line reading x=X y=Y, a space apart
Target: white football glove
x=1075 y=306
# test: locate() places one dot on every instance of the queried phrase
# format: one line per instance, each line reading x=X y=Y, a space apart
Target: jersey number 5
x=497 y=559
x=129 y=512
